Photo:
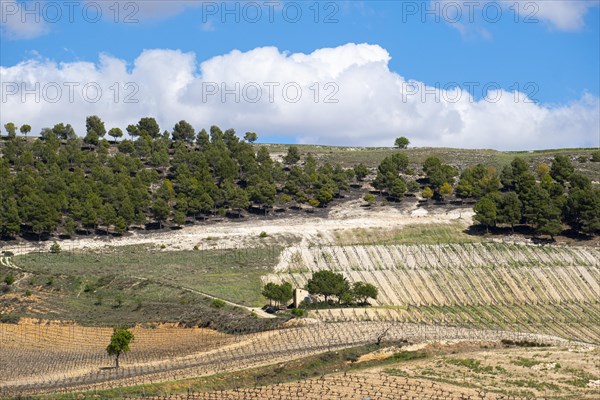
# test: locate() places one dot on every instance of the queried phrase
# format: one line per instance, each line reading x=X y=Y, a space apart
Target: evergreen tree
x=10 y=221
x=183 y=131
x=148 y=126
x=11 y=130
x=561 y=169
x=509 y=209
x=115 y=133
x=292 y=156
x=25 y=129
x=486 y=212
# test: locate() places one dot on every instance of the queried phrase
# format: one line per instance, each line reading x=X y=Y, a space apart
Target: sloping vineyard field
x=74 y=359
x=480 y=284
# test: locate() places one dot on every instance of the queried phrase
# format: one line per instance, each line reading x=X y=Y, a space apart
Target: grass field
x=232 y=274
x=134 y=284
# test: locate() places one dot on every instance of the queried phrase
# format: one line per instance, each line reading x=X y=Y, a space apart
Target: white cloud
x=471 y=18
x=374 y=105
x=564 y=15
x=18 y=22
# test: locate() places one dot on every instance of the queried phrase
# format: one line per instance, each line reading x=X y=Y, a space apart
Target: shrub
x=118 y=301
x=27 y=293
x=9 y=319
x=596 y=156
x=525 y=362
x=413 y=186
x=55 y=248
x=9 y=279
x=298 y=312
x=408 y=355
x=8 y=253
x=369 y=198
x=523 y=343
x=427 y=193
x=218 y=303
x=263 y=234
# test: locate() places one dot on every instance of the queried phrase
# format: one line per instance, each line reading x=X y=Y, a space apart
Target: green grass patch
x=472 y=364
x=580 y=378
x=525 y=362
x=408 y=356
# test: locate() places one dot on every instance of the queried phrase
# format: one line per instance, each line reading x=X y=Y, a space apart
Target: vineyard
x=70 y=358
x=381 y=387
x=459 y=291
x=507 y=286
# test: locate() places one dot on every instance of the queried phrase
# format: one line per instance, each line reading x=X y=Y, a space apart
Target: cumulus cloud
x=343 y=96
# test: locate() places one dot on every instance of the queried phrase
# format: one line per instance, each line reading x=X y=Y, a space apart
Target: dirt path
x=259 y=312
x=236 y=234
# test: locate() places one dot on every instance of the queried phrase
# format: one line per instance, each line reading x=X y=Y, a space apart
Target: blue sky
x=551 y=53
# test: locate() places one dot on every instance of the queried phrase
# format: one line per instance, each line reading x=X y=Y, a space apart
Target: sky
x=504 y=74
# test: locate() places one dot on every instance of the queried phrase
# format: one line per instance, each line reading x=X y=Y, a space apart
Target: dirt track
x=305 y=227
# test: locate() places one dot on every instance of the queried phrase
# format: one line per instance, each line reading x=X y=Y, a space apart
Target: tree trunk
x=117 y=361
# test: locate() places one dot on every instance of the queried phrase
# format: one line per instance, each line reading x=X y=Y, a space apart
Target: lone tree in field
x=119 y=343
x=402 y=142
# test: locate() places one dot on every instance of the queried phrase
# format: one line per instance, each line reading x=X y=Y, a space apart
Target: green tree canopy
x=364 y=291
x=281 y=293
x=119 y=343
x=292 y=156
x=402 y=142
x=183 y=131
x=486 y=212
x=327 y=284
x=250 y=137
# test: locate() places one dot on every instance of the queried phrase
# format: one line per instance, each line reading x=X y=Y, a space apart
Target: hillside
x=60 y=185
x=485 y=265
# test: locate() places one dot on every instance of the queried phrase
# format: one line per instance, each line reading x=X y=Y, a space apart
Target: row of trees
x=327 y=284
x=62 y=183
x=547 y=200
x=332 y=284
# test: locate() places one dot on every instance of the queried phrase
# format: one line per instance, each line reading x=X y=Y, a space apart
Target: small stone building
x=300 y=295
